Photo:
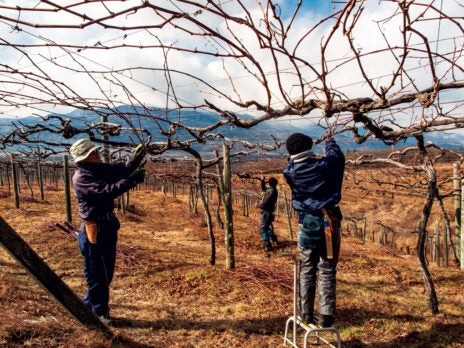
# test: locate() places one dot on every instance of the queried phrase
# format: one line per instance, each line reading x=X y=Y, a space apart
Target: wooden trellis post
x=67 y=190
x=445 y=244
x=209 y=193
x=105 y=151
x=457 y=205
x=363 y=231
x=246 y=204
x=193 y=198
x=52 y=283
x=40 y=180
x=14 y=177
x=163 y=187
x=382 y=236
x=288 y=214
x=174 y=189
x=190 y=200
x=277 y=210
x=460 y=240
x=228 y=215
x=436 y=244
x=7 y=175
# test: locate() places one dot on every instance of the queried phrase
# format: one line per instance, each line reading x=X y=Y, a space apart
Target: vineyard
x=165 y=293
x=208 y=93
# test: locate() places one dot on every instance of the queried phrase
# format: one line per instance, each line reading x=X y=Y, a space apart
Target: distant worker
x=316 y=185
x=267 y=207
x=96 y=185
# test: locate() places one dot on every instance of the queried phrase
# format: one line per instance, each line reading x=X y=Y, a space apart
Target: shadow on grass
x=119 y=341
x=268 y=326
x=358 y=317
x=441 y=335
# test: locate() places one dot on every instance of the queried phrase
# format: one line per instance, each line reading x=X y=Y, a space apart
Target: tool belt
x=91 y=225
x=332 y=217
x=106 y=217
x=334 y=212
x=91 y=230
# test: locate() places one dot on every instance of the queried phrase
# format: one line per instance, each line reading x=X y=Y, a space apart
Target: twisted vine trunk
x=431 y=192
x=209 y=223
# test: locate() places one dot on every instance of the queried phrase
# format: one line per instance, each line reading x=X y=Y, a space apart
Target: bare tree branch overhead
x=376 y=69
x=371 y=70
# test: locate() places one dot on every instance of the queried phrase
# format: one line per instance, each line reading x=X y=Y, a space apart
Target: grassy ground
x=165 y=293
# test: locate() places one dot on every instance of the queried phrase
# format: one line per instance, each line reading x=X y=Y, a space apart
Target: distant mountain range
x=263 y=133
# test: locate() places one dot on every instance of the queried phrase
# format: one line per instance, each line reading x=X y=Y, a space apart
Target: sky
x=136 y=76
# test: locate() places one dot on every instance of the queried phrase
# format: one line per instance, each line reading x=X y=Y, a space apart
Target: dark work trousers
x=316 y=271
x=99 y=262
x=266 y=220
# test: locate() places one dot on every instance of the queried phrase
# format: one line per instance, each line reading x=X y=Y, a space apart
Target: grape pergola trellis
x=404 y=79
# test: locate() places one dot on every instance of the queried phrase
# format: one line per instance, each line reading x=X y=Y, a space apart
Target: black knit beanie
x=272 y=182
x=298 y=142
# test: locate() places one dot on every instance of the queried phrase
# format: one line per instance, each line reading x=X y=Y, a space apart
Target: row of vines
x=21 y=178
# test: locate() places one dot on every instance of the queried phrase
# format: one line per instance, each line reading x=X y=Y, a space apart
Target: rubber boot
x=275 y=242
x=307 y=313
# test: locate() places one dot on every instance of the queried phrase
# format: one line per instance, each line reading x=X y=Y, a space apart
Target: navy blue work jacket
x=96 y=185
x=316 y=183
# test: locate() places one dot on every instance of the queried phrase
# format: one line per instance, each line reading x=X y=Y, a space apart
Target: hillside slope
x=165 y=293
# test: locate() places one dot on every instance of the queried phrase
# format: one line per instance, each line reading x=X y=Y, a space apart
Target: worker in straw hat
x=96 y=185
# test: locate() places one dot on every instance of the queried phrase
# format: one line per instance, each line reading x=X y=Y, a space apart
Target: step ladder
x=309 y=329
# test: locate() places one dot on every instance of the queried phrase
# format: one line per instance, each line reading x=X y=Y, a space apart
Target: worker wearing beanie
x=267 y=206
x=316 y=191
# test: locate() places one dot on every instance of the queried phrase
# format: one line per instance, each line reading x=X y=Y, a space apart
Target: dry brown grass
x=165 y=293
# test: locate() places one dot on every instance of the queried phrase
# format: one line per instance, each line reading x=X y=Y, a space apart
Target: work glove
x=138 y=176
x=138 y=157
x=139 y=152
